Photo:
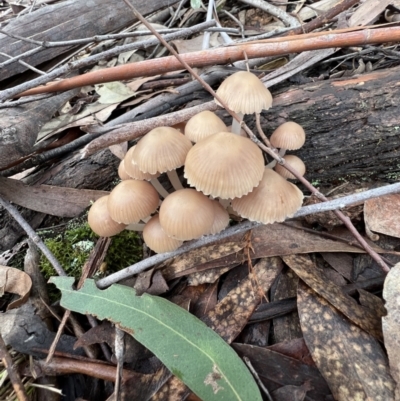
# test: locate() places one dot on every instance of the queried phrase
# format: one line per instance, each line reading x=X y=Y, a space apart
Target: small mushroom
x=224 y=165
x=244 y=93
x=203 y=125
x=163 y=149
x=100 y=220
x=156 y=239
x=272 y=201
x=294 y=162
x=122 y=172
x=132 y=200
x=134 y=172
x=187 y=214
x=288 y=136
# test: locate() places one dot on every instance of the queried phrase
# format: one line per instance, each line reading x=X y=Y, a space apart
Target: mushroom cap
x=155 y=238
x=100 y=220
x=204 y=124
x=221 y=218
x=132 y=168
x=224 y=165
x=160 y=150
x=131 y=201
x=122 y=172
x=272 y=201
x=289 y=135
x=295 y=162
x=244 y=93
x=186 y=214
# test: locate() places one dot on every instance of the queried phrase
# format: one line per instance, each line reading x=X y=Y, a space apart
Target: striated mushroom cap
x=132 y=168
x=244 y=93
x=295 y=162
x=224 y=165
x=131 y=201
x=289 y=135
x=100 y=220
x=203 y=125
x=122 y=172
x=186 y=214
x=272 y=201
x=160 y=150
x=221 y=218
x=155 y=238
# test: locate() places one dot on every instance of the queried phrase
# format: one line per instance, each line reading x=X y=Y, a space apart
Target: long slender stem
x=174 y=179
x=160 y=189
x=236 y=125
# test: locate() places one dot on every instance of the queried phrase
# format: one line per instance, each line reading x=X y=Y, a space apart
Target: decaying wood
x=352 y=125
x=67 y=20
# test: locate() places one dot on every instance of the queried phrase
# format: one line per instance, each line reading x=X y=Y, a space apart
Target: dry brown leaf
x=352 y=361
x=391 y=323
x=57 y=201
x=292 y=393
x=208 y=276
x=277 y=370
x=380 y=215
x=17 y=282
x=180 y=266
x=369 y=11
x=231 y=314
x=368 y=320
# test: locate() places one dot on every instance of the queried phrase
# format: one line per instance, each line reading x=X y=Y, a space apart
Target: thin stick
x=33 y=236
x=12 y=372
x=261 y=132
x=257 y=377
x=204 y=58
x=85 y=62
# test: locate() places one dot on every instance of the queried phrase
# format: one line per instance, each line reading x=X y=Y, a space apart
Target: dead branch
x=222 y=55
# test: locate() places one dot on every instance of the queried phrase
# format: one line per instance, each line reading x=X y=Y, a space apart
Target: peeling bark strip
x=67 y=20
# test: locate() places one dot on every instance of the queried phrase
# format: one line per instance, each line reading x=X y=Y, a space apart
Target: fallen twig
x=243 y=227
x=222 y=55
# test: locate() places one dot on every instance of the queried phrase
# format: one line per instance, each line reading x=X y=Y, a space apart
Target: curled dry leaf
x=17 y=282
x=391 y=324
x=352 y=361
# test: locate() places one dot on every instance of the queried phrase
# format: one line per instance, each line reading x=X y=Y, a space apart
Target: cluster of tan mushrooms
x=224 y=168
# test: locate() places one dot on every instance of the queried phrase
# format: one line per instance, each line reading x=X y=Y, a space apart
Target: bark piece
x=67 y=20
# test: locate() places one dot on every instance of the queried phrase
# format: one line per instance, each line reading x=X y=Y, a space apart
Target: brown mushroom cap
x=289 y=135
x=186 y=214
x=224 y=165
x=244 y=93
x=122 y=172
x=204 y=124
x=131 y=201
x=295 y=162
x=100 y=220
x=155 y=238
x=132 y=168
x=272 y=201
x=221 y=218
x=162 y=149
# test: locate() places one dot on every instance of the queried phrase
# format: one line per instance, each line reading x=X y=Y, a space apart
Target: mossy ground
x=73 y=246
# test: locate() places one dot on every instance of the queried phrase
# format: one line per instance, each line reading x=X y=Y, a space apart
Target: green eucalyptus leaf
x=190 y=350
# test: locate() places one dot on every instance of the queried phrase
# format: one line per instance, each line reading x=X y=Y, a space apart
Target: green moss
x=73 y=246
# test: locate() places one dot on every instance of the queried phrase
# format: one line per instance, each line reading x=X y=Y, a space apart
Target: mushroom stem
x=160 y=189
x=272 y=164
x=135 y=227
x=224 y=202
x=175 y=181
x=237 y=125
